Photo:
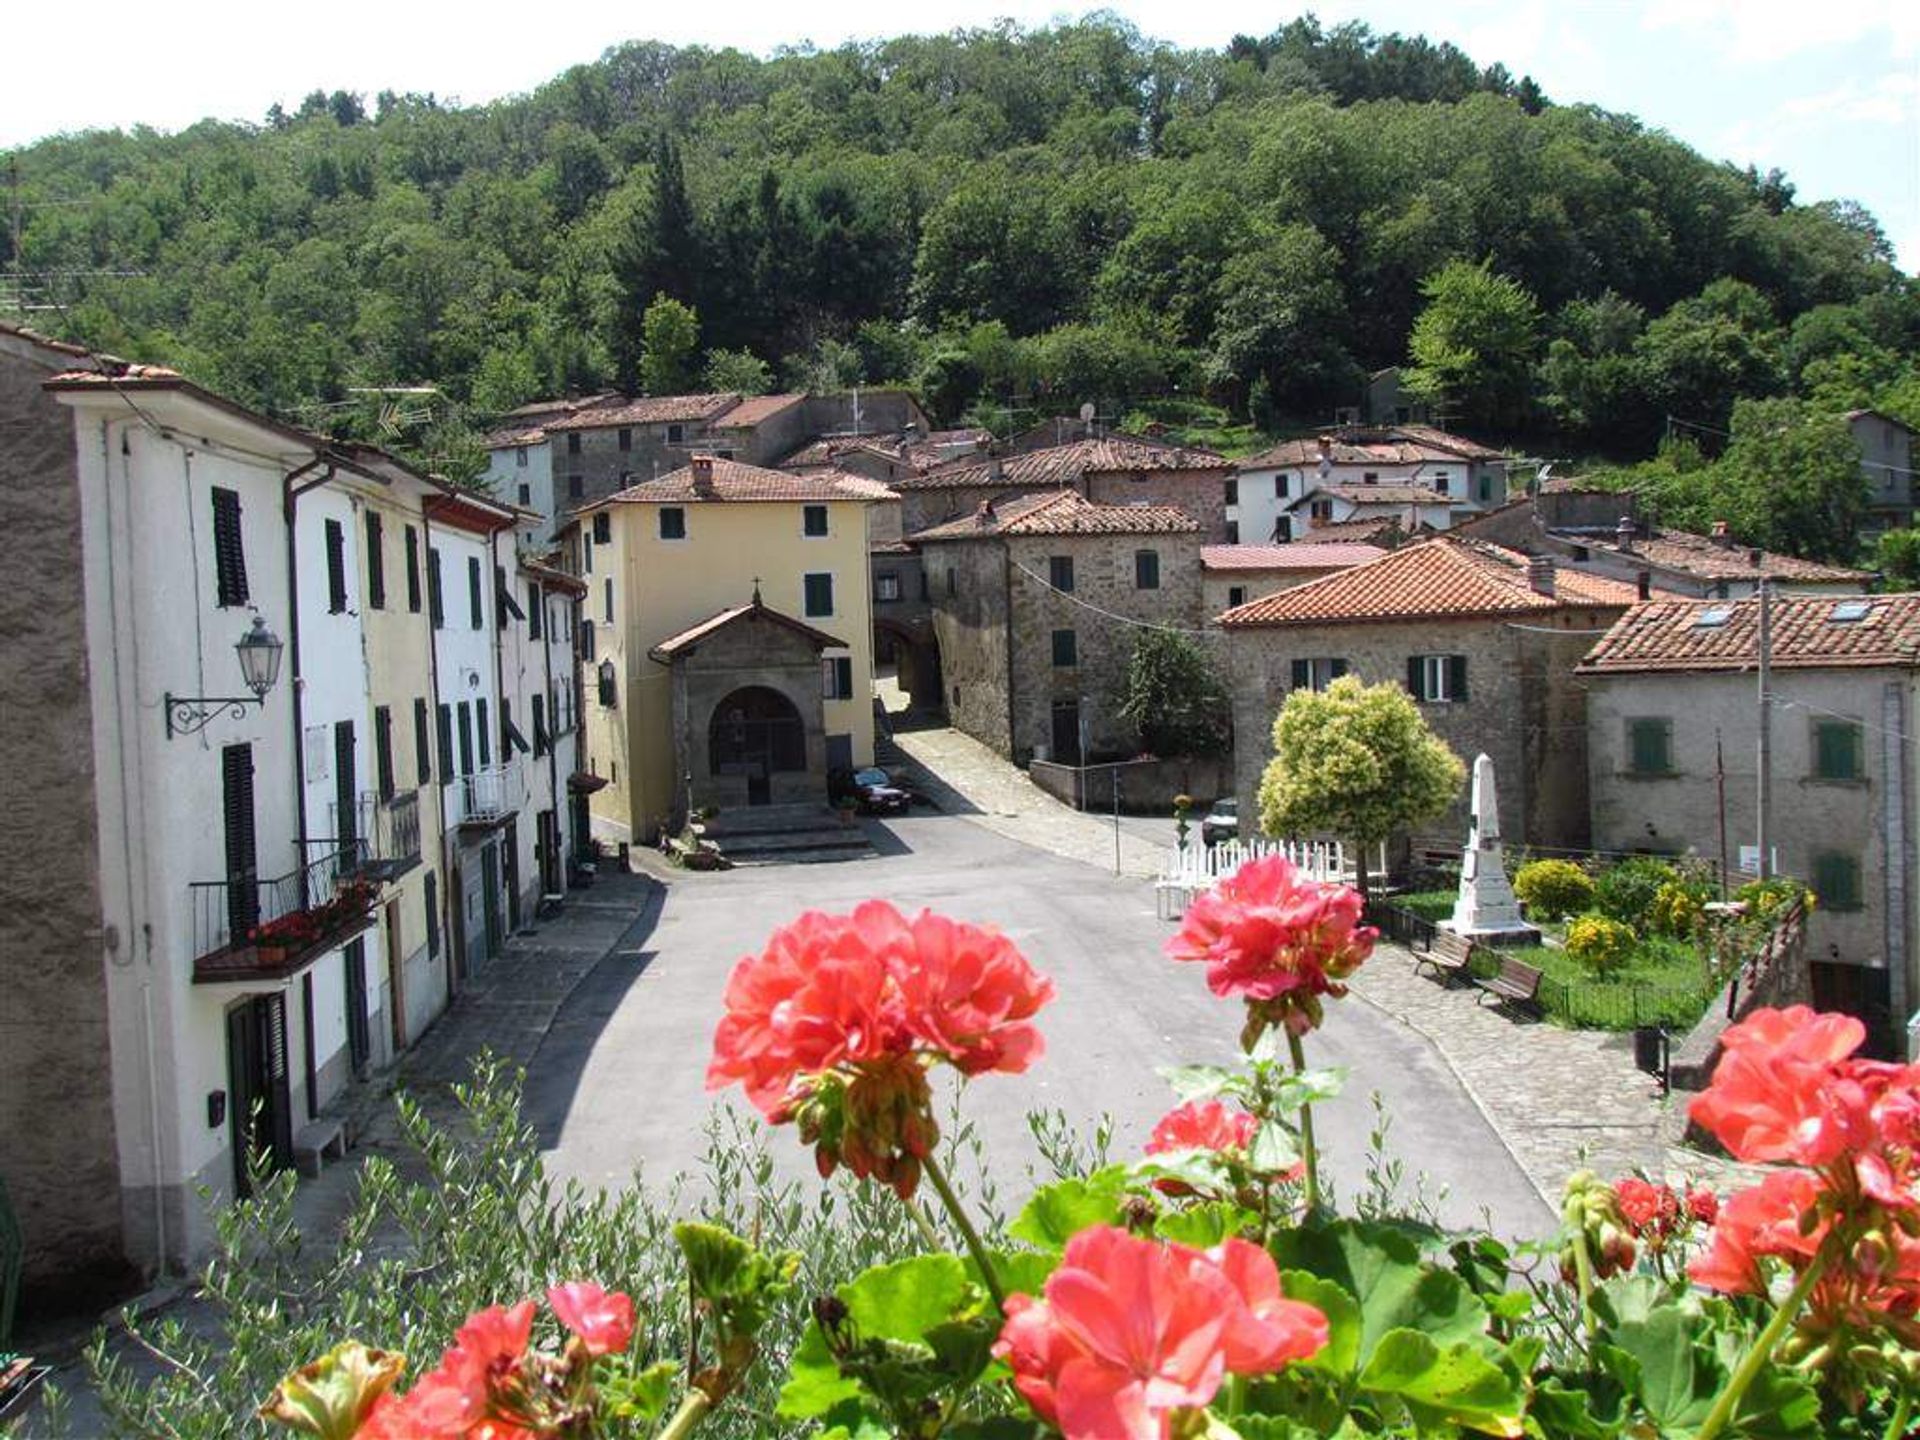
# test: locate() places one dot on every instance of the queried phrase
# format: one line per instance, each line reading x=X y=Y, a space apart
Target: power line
x=1113 y=615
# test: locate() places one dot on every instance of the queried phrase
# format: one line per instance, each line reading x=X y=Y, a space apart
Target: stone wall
x=1099 y=611
x=923 y=508
x=1201 y=493
x=748 y=652
x=58 y=1151
x=968 y=580
x=1147 y=787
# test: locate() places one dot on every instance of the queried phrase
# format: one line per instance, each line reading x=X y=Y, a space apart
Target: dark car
x=874 y=792
x=1222 y=823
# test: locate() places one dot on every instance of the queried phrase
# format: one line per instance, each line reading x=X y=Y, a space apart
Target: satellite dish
x=1087 y=412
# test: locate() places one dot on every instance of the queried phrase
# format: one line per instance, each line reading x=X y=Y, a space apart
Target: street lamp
x=259 y=651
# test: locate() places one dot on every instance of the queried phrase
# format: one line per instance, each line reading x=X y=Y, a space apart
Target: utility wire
x=1047 y=584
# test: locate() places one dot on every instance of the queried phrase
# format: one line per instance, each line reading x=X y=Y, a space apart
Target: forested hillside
x=998 y=217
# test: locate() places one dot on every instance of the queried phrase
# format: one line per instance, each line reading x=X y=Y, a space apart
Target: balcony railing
x=489 y=796
x=387 y=829
x=258 y=929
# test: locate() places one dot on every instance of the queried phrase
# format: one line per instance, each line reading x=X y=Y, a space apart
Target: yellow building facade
x=673 y=560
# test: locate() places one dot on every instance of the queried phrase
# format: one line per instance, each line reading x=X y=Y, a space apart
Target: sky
x=1826 y=90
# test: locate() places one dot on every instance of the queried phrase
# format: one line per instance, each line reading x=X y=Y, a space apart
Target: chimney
x=1753 y=557
x=1623 y=534
x=702 y=467
x=1720 y=535
x=996 y=472
x=1540 y=574
x=984 y=515
x=1643 y=585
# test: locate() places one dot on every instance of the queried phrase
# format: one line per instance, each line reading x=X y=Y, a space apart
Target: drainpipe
x=444 y=920
x=558 y=859
x=1896 y=828
x=291 y=491
x=1006 y=589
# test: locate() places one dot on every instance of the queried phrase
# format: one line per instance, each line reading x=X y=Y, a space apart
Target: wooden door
x=259 y=1098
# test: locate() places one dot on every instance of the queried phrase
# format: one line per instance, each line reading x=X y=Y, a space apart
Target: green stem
x=1897 y=1430
x=975 y=1246
x=1762 y=1351
x=923 y=1225
x=1236 y=1396
x=1583 y=1275
x=692 y=1411
x=1309 y=1156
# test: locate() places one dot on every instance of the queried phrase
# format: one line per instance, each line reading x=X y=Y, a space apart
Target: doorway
x=260 y=1101
x=756 y=732
x=1066 y=731
x=359 y=1030
x=512 y=853
x=490 y=895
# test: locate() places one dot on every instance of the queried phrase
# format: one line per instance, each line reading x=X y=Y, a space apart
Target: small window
x=1650 y=746
x=1370 y=477
x=676 y=434
x=336 y=567
x=1849 y=611
x=606 y=600
x=586 y=553
x=463 y=715
x=1321 y=509
x=520 y=456
x=836 y=677
x=430 y=902
x=1065 y=648
x=422 y=746
x=1146 y=569
x=383 y=751
x=1236 y=595
x=1317 y=674
x=1233 y=532
x=526 y=496
x=1486 y=489
x=603 y=528
x=1714 y=617
x=926 y=586
x=573 y=444
x=1437 y=679
x=485 y=734
x=576 y=487
x=445 y=729
x=1060 y=572
x=626 y=440
x=412 y=539
x=1837 y=751
x=376 y=564
x=1233 y=491
x=587 y=646
x=536 y=612
x=819 y=595
x=950 y=582
x=435 y=601
x=886 y=586
x=813 y=520
x=1280 y=487
x=673 y=522
x=476 y=610
x=229 y=555
x=1836 y=881
x=607 y=677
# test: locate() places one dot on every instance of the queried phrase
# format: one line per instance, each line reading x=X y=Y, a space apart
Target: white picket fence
x=1187 y=872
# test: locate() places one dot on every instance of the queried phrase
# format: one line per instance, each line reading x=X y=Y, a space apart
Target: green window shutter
x=422 y=752
x=1302 y=674
x=1456 y=677
x=1651 y=745
x=1417 y=676
x=1836 y=880
x=1837 y=750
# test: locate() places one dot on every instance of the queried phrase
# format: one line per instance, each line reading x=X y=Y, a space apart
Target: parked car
x=1222 y=822
x=872 y=790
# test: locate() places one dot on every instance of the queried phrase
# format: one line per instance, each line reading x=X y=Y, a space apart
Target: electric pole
x=1762 y=798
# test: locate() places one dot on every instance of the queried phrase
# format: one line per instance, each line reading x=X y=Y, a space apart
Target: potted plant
x=845 y=807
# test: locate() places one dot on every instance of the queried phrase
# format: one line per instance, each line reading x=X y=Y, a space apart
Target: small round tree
x=1175 y=698
x=1356 y=761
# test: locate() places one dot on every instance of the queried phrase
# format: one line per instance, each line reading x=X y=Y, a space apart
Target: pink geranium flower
x=1771 y=1097
x=602 y=1320
x=1202 y=1125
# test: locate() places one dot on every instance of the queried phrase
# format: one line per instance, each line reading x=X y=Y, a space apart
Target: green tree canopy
x=1473 y=345
x=1358 y=762
x=670 y=333
x=1175 y=697
x=740 y=371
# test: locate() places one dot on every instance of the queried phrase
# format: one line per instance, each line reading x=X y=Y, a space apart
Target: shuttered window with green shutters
x=336 y=567
x=422 y=747
x=1836 y=881
x=376 y=564
x=1650 y=746
x=1837 y=751
x=229 y=554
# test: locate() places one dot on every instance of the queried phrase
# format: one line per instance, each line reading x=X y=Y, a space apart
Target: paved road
x=618 y=1082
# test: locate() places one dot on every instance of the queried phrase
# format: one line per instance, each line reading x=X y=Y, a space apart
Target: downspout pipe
x=443 y=900
x=291 y=490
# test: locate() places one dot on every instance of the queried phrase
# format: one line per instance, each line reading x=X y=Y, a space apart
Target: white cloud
x=1770 y=31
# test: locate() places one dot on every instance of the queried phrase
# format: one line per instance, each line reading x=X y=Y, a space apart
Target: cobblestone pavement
x=1560 y=1099
x=967 y=778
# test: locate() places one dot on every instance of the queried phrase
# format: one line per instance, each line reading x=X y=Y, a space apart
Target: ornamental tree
x=1356 y=761
x=1175 y=697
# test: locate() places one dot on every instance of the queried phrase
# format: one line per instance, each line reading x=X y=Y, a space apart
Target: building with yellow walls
x=727 y=642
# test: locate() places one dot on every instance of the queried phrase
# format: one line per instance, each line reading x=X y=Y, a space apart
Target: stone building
x=1037 y=601
x=1231 y=575
x=1484 y=639
x=1116 y=470
x=1673 y=741
x=1886 y=463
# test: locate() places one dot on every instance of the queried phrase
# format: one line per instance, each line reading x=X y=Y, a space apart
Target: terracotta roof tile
x=1439 y=578
x=1062 y=512
x=1806 y=635
x=1707 y=558
x=1353 y=532
x=649 y=410
x=1374 y=445
x=1295 y=555
x=694 y=634
x=1065 y=464
x=732 y=481
x=1379 y=495
x=755 y=409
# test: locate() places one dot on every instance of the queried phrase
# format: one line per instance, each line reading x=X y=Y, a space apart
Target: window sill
x=1648 y=775
x=1834 y=782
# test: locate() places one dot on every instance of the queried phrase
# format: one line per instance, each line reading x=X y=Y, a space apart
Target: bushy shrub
x=1676 y=909
x=1553 y=889
x=1765 y=898
x=1602 y=945
x=1626 y=891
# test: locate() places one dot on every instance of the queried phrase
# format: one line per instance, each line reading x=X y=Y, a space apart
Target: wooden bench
x=1516 y=984
x=1448 y=955
x=316 y=1142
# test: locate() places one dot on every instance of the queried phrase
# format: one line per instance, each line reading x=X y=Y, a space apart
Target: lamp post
x=259 y=651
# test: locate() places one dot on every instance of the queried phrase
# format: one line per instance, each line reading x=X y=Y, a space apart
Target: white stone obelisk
x=1485 y=908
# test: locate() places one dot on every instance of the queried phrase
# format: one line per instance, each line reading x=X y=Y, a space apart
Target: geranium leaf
x=1063 y=1209
x=1341 y=1354
x=1024 y=1272
x=1675 y=1377
x=1274 y=1149
x=1381 y=1268
x=814 y=1382
x=1198 y=1082
x=1455 y=1384
x=1204 y=1226
x=905 y=1300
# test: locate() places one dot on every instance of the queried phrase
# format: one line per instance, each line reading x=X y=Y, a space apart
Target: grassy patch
x=1427 y=904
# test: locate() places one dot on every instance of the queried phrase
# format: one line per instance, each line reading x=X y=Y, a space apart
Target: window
x=422 y=751
x=484 y=734
x=1837 y=751
x=520 y=456
x=813 y=520
x=536 y=611
x=603 y=528
x=1437 y=679
x=1060 y=572
x=836 y=677
x=1486 y=489
x=573 y=444
x=926 y=586
x=412 y=538
x=1146 y=569
x=586 y=639
x=1850 y=611
x=819 y=592
x=886 y=586
x=625 y=439
x=446 y=744
x=1236 y=595
x=1283 y=529
x=464 y=714
x=435 y=601
x=673 y=522
x=586 y=553
x=1441 y=480
x=383 y=751
x=525 y=493
x=504 y=603
x=1714 y=617
x=336 y=567
x=229 y=556
x=1649 y=746
x=1320 y=509
x=1317 y=674
x=1370 y=477
x=1836 y=880
x=606 y=600
x=576 y=487
x=376 y=564
x=949 y=582
x=1233 y=532
x=676 y=434
x=1233 y=491
x=476 y=613
x=430 y=901
x=1280 y=487
x=1064 y=648
x=605 y=675
x=539 y=725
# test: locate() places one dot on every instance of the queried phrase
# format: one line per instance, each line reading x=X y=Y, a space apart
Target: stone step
x=783 y=842
x=801 y=857
x=770 y=820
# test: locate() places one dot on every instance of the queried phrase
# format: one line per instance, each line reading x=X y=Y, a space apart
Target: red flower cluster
x=1132 y=1331
x=489 y=1386
x=1202 y=1125
x=1277 y=939
x=836 y=1022
x=1788 y=1089
x=1658 y=1213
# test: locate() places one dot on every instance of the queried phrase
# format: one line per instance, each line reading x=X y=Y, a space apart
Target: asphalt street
x=618 y=1084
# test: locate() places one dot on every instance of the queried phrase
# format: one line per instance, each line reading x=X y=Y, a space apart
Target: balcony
x=267 y=930
x=489 y=797
x=387 y=831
